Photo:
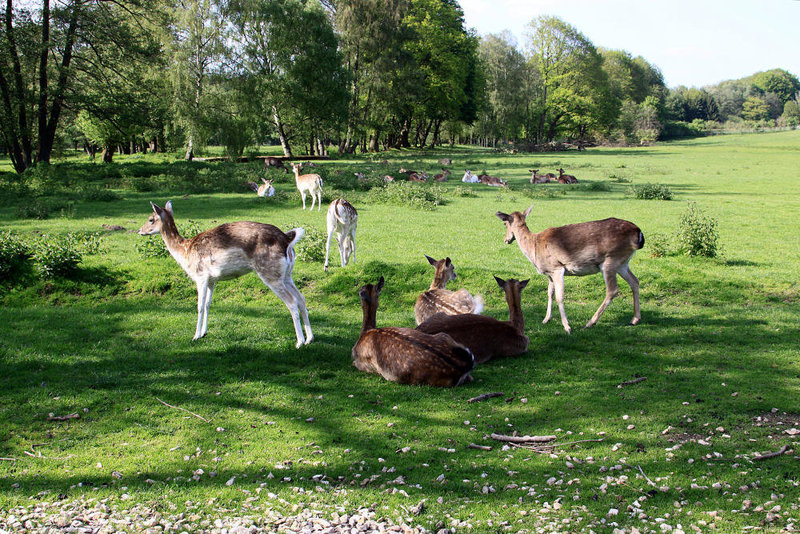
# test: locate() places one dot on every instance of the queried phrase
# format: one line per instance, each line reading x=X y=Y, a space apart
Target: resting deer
x=469 y=178
x=486 y=337
x=265 y=189
x=605 y=246
x=442 y=177
x=406 y=355
x=492 y=180
x=277 y=163
x=567 y=178
x=445 y=161
x=438 y=299
x=541 y=178
x=342 y=220
x=229 y=251
x=308 y=183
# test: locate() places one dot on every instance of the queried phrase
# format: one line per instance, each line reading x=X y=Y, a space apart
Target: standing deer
x=229 y=251
x=486 y=337
x=605 y=246
x=567 y=178
x=406 y=355
x=308 y=183
x=342 y=220
x=438 y=299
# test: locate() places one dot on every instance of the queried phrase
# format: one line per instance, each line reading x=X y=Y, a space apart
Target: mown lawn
x=289 y=429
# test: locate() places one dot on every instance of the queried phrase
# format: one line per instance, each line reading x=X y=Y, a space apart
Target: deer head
x=513 y=222
x=157 y=218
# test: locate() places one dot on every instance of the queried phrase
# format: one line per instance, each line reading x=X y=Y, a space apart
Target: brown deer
x=406 y=355
x=567 y=178
x=276 y=163
x=443 y=176
x=438 y=299
x=265 y=189
x=342 y=220
x=492 y=180
x=308 y=183
x=229 y=251
x=541 y=178
x=581 y=249
x=486 y=337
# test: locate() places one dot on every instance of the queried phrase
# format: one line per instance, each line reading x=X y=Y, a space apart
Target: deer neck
x=176 y=245
x=439 y=280
x=527 y=241
x=515 y=317
x=370 y=313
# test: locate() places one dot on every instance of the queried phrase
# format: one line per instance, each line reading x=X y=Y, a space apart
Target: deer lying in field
x=492 y=180
x=342 y=219
x=566 y=178
x=541 y=178
x=605 y=246
x=440 y=300
x=442 y=177
x=263 y=190
x=308 y=183
x=229 y=251
x=469 y=178
x=486 y=337
x=445 y=161
x=406 y=355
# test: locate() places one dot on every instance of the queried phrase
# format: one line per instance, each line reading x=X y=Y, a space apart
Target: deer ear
x=523 y=284
x=431 y=260
x=380 y=285
x=503 y=216
x=156 y=209
x=447 y=262
x=168 y=206
x=500 y=281
x=527 y=211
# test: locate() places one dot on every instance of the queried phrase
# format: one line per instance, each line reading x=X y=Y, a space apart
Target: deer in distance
x=541 y=178
x=437 y=299
x=308 y=183
x=605 y=246
x=276 y=163
x=406 y=355
x=229 y=251
x=342 y=220
x=442 y=177
x=469 y=178
x=566 y=178
x=484 y=336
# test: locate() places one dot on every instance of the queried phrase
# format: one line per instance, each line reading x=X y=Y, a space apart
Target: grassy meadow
x=287 y=429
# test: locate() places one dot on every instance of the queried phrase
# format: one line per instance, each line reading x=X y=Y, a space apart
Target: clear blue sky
x=694 y=42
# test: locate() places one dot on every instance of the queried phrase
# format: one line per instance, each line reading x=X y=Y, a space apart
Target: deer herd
x=451 y=334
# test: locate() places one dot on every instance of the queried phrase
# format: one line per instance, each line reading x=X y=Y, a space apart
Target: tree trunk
x=436 y=133
x=374 y=139
x=108 y=153
x=404 y=133
x=189 y=156
x=287 y=149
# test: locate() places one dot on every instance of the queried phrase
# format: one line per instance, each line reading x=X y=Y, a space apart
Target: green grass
x=718 y=345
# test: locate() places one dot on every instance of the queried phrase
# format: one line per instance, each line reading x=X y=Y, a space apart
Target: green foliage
x=56 y=256
x=13 y=254
x=619 y=179
x=311 y=247
x=660 y=245
x=651 y=192
x=541 y=192
x=43 y=208
x=152 y=246
x=98 y=194
x=418 y=196
x=697 y=233
x=589 y=186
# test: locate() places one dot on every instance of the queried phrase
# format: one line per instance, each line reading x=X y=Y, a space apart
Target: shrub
x=55 y=256
x=619 y=179
x=98 y=194
x=660 y=245
x=541 y=192
x=590 y=186
x=13 y=253
x=651 y=192
x=42 y=208
x=310 y=247
x=697 y=233
x=423 y=197
x=87 y=242
x=152 y=246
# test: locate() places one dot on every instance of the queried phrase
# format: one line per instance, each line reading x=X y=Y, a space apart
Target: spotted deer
x=406 y=355
x=580 y=249
x=229 y=251
x=308 y=183
x=484 y=336
x=438 y=299
x=342 y=220
x=265 y=189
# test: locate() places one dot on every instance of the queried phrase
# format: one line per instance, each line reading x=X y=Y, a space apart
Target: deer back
x=445 y=301
x=485 y=337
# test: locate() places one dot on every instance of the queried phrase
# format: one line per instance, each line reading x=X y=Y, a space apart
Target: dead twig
x=67 y=417
x=184 y=410
x=775 y=454
x=47 y=457
x=479 y=447
x=8 y=459
x=646 y=477
x=632 y=382
x=522 y=439
x=486 y=396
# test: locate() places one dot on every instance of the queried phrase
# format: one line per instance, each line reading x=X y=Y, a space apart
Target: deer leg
x=612 y=289
x=209 y=294
x=343 y=249
x=319 y=200
x=353 y=243
x=558 y=282
x=303 y=196
x=550 y=288
x=327 y=249
x=202 y=310
x=288 y=298
x=629 y=277
x=301 y=305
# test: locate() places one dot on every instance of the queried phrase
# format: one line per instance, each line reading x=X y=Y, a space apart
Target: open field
x=290 y=430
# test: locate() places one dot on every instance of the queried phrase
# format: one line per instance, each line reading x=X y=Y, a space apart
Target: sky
x=695 y=43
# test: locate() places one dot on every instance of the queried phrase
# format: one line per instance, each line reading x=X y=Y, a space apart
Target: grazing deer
x=229 y=251
x=569 y=179
x=469 y=178
x=308 y=183
x=342 y=220
x=276 y=163
x=438 y=299
x=492 y=181
x=486 y=337
x=443 y=176
x=265 y=189
x=406 y=355
x=605 y=246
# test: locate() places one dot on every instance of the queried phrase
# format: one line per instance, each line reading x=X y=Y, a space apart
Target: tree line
x=358 y=75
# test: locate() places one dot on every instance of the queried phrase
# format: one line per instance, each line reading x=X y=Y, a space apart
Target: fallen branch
x=479 y=447
x=8 y=459
x=47 y=457
x=64 y=417
x=646 y=477
x=523 y=439
x=183 y=409
x=485 y=396
x=632 y=382
x=775 y=454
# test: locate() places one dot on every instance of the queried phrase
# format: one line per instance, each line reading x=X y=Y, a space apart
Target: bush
x=13 y=254
x=590 y=186
x=619 y=179
x=310 y=247
x=87 y=242
x=651 y=192
x=97 y=194
x=541 y=192
x=697 y=233
x=660 y=245
x=55 y=256
x=152 y=246
x=422 y=197
x=42 y=208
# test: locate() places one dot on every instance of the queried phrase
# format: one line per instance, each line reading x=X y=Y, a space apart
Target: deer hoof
x=634 y=322
x=589 y=325
x=568 y=330
x=309 y=339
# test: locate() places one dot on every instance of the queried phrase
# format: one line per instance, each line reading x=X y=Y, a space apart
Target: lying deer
x=264 y=190
x=438 y=299
x=486 y=337
x=308 y=183
x=541 y=178
x=469 y=178
x=229 y=251
x=442 y=177
x=492 y=180
x=406 y=355
x=276 y=163
x=342 y=220
x=566 y=178
x=605 y=246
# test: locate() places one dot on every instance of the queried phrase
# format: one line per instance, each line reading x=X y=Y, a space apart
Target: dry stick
x=479 y=447
x=183 y=409
x=523 y=439
x=8 y=459
x=64 y=417
x=780 y=452
x=632 y=382
x=47 y=457
x=646 y=477
x=485 y=396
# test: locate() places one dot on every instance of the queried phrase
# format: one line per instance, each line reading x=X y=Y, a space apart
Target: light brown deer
x=406 y=355
x=265 y=189
x=541 y=178
x=308 y=183
x=274 y=162
x=443 y=176
x=581 y=249
x=492 y=180
x=486 y=337
x=229 y=251
x=342 y=220
x=566 y=178
x=440 y=300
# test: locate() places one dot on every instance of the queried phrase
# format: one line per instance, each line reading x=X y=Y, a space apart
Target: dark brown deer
x=440 y=300
x=581 y=249
x=486 y=337
x=406 y=355
x=443 y=176
x=566 y=178
x=229 y=251
x=275 y=163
